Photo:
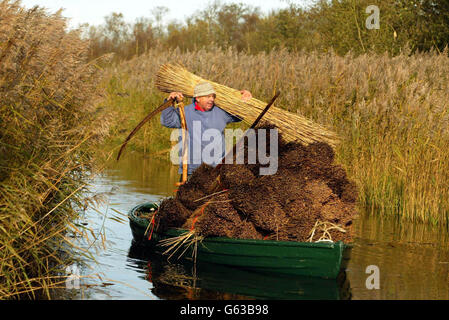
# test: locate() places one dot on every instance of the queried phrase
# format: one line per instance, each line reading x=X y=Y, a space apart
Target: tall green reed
x=50 y=126
x=391 y=113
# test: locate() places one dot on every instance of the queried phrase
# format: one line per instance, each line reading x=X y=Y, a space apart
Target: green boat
x=213 y=281
x=318 y=259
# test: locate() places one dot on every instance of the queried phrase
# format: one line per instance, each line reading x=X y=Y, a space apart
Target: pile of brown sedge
x=309 y=198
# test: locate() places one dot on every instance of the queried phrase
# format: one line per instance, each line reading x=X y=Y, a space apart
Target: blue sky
x=94 y=11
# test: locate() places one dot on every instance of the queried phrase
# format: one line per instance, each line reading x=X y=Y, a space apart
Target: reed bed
x=391 y=113
x=49 y=127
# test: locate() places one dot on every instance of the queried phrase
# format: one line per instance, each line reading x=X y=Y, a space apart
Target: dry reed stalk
x=185 y=241
x=293 y=127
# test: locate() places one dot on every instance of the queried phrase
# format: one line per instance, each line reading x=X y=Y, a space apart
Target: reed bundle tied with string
x=293 y=127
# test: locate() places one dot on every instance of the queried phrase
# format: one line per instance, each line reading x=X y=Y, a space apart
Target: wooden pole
x=185 y=143
x=216 y=183
x=234 y=149
x=162 y=107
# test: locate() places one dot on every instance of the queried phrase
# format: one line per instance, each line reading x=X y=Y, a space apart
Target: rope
x=152 y=222
x=198 y=215
x=325 y=227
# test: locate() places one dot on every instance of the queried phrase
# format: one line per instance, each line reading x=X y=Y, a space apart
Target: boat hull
x=323 y=259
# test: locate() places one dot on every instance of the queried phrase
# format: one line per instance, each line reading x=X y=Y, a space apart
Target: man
x=203 y=118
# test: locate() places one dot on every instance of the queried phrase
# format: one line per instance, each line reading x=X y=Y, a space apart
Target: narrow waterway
x=389 y=260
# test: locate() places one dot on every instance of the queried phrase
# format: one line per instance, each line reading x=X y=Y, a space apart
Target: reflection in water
x=413 y=260
x=145 y=175
x=184 y=280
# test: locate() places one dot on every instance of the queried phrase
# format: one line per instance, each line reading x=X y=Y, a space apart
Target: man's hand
x=176 y=96
x=246 y=95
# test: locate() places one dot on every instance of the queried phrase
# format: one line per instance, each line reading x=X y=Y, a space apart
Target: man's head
x=204 y=94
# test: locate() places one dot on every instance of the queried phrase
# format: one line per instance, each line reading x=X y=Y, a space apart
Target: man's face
x=206 y=102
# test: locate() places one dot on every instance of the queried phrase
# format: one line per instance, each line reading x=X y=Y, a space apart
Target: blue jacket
x=215 y=118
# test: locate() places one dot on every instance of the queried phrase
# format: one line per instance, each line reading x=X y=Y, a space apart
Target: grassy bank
x=49 y=128
x=391 y=113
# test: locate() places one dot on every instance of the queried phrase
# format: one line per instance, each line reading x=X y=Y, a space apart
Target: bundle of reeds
x=293 y=127
x=50 y=128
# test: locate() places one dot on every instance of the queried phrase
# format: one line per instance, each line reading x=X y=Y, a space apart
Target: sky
x=94 y=11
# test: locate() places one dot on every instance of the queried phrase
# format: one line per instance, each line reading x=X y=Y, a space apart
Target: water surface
x=412 y=260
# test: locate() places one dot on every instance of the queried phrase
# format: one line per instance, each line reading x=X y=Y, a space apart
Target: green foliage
x=338 y=25
x=49 y=127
